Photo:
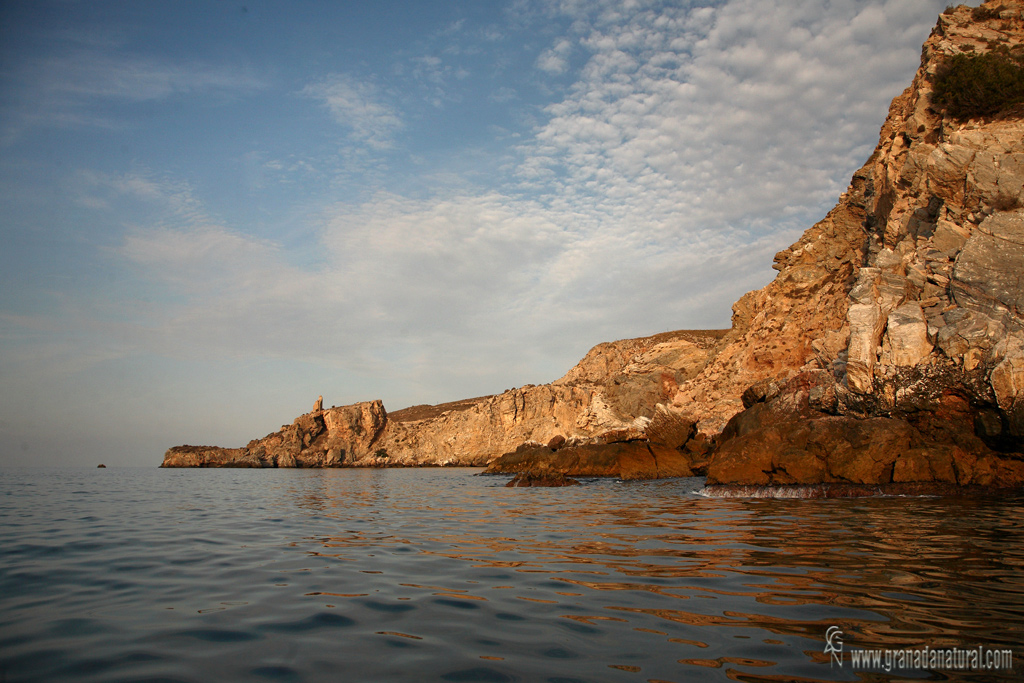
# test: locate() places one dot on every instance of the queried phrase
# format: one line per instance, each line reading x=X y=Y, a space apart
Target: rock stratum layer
x=889 y=349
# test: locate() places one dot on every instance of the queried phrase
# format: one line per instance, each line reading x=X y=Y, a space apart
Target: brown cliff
x=335 y=437
x=611 y=396
x=906 y=358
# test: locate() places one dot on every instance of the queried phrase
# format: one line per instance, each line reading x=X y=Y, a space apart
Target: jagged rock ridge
x=611 y=396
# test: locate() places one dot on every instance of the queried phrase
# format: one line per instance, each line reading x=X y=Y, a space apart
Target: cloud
x=203 y=259
x=173 y=200
x=358 y=106
x=392 y=270
x=72 y=88
x=555 y=60
x=135 y=78
x=694 y=144
x=441 y=297
x=503 y=94
x=686 y=119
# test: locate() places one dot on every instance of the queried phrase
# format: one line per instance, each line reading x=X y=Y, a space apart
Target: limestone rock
x=988 y=273
x=931 y=293
x=669 y=429
x=323 y=438
x=612 y=395
x=791 y=440
x=759 y=392
x=813 y=451
x=556 y=442
x=1007 y=380
x=887 y=350
x=866 y=326
x=210 y=456
x=907 y=335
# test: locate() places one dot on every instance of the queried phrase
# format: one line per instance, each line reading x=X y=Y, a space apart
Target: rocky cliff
x=889 y=349
x=611 y=396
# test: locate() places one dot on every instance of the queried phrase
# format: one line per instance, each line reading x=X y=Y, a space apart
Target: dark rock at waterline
x=101 y=466
x=541 y=479
x=925 y=437
x=623 y=460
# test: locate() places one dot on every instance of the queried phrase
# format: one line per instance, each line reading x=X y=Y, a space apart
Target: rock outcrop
x=335 y=437
x=803 y=435
x=625 y=460
x=612 y=395
x=547 y=480
x=909 y=308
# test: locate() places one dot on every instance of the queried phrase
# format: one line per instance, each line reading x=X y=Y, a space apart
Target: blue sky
x=214 y=212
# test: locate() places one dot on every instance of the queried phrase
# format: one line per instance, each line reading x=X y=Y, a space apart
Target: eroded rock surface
x=613 y=394
x=914 y=356
x=809 y=434
x=322 y=438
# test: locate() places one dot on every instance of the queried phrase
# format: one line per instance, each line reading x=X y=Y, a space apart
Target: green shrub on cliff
x=980 y=85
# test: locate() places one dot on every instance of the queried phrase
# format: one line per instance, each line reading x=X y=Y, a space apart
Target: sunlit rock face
x=335 y=437
x=889 y=349
x=915 y=342
x=611 y=396
x=615 y=389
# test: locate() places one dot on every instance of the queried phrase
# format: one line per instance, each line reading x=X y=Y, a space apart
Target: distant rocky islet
x=886 y=356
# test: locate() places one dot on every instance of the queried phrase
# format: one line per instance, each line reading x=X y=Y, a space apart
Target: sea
x=441 y=574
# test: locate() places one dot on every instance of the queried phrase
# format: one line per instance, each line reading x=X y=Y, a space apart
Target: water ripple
x=372 y=575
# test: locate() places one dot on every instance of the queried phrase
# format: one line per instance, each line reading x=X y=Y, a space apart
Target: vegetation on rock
x=986 y=13
x=973 y=85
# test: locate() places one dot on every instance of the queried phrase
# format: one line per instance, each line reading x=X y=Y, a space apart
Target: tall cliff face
x=904 y=305
x=614 y=390
x=917 y=267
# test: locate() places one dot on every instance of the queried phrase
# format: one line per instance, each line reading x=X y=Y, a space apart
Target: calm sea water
x=439 y=575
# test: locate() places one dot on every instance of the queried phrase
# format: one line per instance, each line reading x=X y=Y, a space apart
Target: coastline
x=888 y=351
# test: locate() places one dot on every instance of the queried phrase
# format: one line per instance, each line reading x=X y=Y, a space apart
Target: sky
x=212 y=213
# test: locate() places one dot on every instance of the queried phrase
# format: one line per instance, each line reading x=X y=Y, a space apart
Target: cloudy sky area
x=214 y=212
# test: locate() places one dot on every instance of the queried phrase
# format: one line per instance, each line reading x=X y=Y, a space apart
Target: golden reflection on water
x=294 y=573
x=891 y=572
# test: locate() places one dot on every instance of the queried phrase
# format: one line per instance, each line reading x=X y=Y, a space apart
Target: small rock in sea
x=542 y=479
x=101 y=465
